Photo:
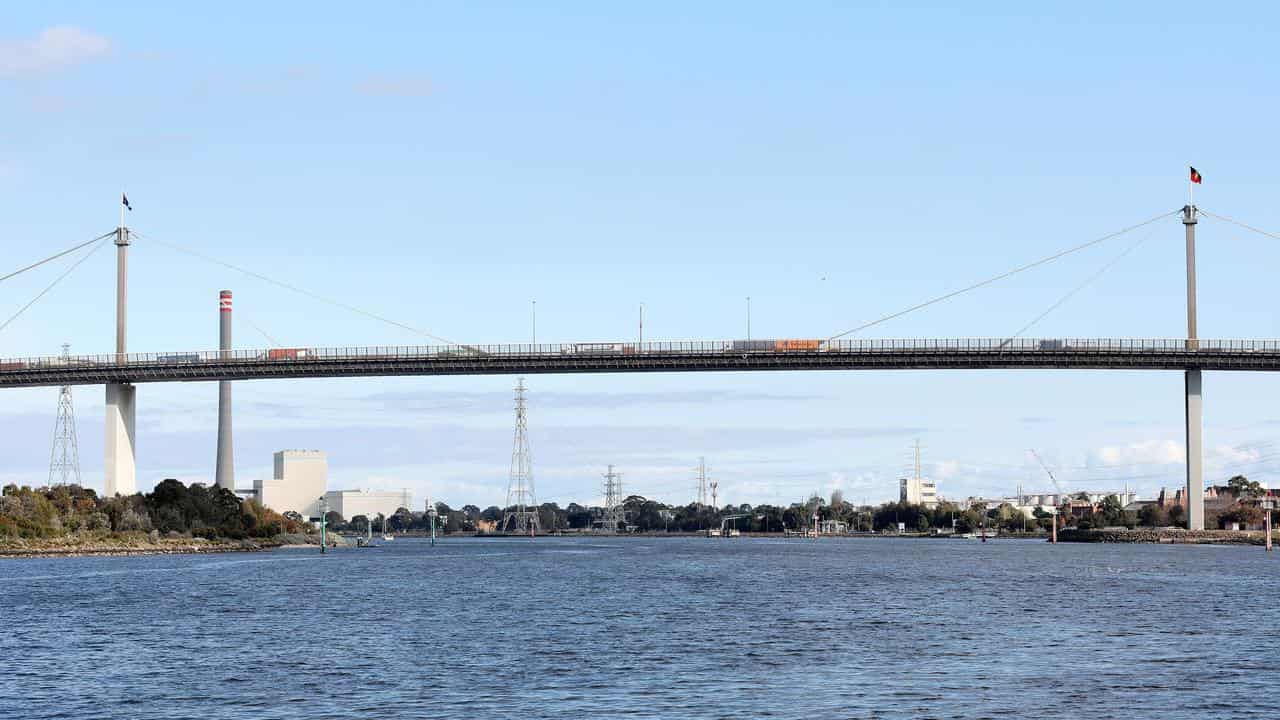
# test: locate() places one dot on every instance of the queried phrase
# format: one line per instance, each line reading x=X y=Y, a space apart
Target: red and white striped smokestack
x=224 y=470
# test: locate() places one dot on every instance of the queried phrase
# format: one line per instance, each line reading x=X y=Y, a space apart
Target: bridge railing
x=622 y=350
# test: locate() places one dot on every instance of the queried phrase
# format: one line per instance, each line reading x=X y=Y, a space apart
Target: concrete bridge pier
x=120 y=464
x=121 y=472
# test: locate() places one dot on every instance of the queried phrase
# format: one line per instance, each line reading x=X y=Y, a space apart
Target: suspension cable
x=23 y=309
x=293 y=288
x=1233 y=222
x=1088 y=281
x=51 y=258
x=240 y=315
x=1004 y=275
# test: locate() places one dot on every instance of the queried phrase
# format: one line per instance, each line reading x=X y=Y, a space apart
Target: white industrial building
x=370 y=503
x=300 y=478
x=918 y=491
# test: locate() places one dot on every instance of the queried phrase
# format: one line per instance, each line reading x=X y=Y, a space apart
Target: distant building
x=918 y=491
x=370 y=503
x=299 y=480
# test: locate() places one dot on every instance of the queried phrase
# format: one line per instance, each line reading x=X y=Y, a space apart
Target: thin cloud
x=54 y=48
x=403 y=87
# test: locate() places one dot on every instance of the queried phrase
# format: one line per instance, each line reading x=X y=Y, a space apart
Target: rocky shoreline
x=1169 y=536
x=71 y=546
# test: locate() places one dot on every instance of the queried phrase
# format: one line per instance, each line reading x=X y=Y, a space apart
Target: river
x=646 y=628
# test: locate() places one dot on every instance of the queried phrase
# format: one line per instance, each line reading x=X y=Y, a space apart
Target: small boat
x=385 y=536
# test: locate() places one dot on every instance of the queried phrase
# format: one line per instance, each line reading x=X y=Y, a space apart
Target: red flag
x=1195 y=176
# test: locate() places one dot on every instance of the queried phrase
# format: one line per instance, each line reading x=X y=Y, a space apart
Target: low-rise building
x=369 y=503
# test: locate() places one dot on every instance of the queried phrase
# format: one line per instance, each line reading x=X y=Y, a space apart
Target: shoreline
x=133 y=546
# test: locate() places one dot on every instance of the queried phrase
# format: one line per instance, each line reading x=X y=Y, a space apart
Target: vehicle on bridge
x=287 y=354
x=785 y=345
x=598 y=349
x=178 y=358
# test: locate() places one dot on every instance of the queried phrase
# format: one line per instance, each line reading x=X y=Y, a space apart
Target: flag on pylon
x=124 y=199
x=1195 y=176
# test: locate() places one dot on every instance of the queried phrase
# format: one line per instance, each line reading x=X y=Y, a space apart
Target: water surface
x=661 y=628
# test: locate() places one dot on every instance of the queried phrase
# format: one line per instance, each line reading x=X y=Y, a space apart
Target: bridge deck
x=727 y=355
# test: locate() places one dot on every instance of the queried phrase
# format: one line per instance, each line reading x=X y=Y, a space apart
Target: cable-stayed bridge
x=620 y=357
x=121 y=370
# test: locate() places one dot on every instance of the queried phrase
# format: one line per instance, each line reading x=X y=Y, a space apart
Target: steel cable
x=1004 y=275
x=1088 y=281
x=76 y=264
x=1233 y=221
x=296 y=289
x=51 y=258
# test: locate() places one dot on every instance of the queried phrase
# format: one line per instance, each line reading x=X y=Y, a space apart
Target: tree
x=1152 y=515
x=1240 y=486
x=1245 y=515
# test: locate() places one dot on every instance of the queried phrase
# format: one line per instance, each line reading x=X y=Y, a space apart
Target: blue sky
x=446 y=164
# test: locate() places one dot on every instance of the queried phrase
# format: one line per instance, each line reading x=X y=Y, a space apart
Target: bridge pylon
x=1193 y=391
x=120 y=462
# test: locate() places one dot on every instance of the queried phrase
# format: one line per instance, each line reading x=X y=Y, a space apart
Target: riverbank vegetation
x=171 y=511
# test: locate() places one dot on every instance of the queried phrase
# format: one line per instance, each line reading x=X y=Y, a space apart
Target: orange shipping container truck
x=786 y=345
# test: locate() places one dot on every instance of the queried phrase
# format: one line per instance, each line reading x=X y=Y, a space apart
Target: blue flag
x=125 y=199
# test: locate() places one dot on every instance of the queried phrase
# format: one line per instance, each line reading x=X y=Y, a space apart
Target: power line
x=296 y=289
x=1004 y=275
x=51 y=258
x=56 y=280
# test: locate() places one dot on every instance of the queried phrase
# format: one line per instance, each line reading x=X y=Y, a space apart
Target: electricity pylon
x=64 y=459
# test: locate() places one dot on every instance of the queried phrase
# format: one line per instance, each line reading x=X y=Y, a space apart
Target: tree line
x=645 y=515
x=171 y=507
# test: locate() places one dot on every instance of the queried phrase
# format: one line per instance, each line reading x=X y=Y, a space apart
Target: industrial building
x=299 y=479
x=370 y=503
x=918 y=491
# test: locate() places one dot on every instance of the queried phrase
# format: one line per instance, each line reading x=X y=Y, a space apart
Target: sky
x=446 y=165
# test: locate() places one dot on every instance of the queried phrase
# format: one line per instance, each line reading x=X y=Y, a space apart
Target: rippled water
x=667 y=627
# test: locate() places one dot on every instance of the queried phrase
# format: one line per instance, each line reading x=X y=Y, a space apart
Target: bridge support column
x=1195 y=400
x=1195 y=451
x=121 y=470
x=119 y=462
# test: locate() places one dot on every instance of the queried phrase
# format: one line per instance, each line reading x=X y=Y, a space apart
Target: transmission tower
x=614 y=514
x=522 y=508
x=701 y=470
x=64 y=460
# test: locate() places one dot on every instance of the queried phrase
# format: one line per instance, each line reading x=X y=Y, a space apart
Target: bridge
x=620 y=357
x=121 y=370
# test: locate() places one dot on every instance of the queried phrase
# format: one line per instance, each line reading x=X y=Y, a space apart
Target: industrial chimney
x=225 y=472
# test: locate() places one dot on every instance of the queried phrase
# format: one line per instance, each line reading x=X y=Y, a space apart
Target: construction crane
x=1057 y=486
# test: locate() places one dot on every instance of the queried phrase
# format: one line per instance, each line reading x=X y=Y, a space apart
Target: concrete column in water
x=225 y=472
x=119 y=464
x=1194 y=395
